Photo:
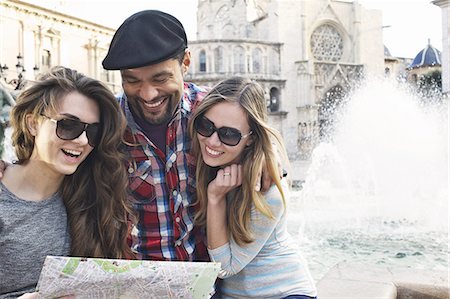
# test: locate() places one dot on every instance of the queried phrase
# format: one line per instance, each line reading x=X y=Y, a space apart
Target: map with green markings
x=110 y=278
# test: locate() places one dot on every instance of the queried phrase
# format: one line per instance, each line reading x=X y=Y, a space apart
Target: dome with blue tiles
x=430 y=56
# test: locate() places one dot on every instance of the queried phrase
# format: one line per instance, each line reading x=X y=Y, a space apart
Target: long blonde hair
x=260 y=154
x=95 y=195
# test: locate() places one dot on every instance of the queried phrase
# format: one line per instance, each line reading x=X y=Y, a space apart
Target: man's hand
x=3 y=165
x=265 y=181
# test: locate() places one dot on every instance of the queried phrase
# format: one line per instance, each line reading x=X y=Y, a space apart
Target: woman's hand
x=226 y=180
x=3 y=166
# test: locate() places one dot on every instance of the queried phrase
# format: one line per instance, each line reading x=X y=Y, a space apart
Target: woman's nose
x=82 y=139
x=214 y=139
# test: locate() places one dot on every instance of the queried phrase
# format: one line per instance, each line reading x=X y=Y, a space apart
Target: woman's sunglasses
x=228 y=136
x=70 y=129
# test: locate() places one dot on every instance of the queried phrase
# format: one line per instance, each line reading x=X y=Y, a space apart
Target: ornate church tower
x=306 y=54
x=233 y=38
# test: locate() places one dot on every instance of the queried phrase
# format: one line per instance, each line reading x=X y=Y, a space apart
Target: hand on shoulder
x=3 y=166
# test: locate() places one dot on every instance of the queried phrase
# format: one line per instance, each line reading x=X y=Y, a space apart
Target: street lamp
x=16 y=82
x=35 y=70
x=20 y=71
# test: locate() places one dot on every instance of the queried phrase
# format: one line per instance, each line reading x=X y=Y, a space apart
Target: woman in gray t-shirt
x=66 y=194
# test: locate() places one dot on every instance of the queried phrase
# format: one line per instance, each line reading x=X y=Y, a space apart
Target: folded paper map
x=110 y=278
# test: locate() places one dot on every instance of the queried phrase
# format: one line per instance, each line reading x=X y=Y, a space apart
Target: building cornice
x=56 y=16
x=441 y=3
x=236 y=41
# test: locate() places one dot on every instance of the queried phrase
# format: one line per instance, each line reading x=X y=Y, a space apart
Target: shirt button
x=177 y=219
x=130 y=170
x=178 y=243
x=174 y=192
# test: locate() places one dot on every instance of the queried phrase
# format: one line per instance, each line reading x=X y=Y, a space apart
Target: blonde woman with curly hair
x=245 y=228
x=66 y=193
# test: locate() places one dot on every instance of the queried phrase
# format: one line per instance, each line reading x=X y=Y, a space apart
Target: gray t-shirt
x=29 y=231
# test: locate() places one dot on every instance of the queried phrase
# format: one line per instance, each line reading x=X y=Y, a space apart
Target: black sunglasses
x=228 y=136
x=70 y=129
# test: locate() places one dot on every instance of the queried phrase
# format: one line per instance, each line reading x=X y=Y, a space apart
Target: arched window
x=202 y=61
x=218 y=60
x=257 y=60
x=50 y=49
x=327 y=43
x=274 y=100
x=239 y=60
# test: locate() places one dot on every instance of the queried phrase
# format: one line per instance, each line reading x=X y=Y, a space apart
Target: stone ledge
x=422 y=291
x=346 y=289
x=346 y=280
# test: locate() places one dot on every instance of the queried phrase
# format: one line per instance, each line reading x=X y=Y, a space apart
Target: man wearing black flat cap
x=150 y=50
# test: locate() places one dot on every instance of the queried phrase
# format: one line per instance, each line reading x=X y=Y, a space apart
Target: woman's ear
x=249 y=141
x=31 y=123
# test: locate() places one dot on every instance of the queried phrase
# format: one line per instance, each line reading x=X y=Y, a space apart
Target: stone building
x=425 y=62
x=445 y=6
x=33 y=39
x=395 y=67
x=39 y=38
x=306 y=54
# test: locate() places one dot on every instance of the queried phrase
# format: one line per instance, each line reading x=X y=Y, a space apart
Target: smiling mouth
x=154 y=104
x=212 y=152
x=71 y=153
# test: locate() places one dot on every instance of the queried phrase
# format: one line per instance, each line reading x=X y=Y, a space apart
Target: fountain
x=377 y=193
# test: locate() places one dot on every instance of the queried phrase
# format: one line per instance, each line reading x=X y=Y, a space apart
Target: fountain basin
x=351 y=280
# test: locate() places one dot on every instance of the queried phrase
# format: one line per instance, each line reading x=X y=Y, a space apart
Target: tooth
x=72 y=152
x=151 y=105
x=212 y=152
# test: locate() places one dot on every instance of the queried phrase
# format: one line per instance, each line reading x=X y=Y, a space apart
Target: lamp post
x=18 y=82
x=20 y=71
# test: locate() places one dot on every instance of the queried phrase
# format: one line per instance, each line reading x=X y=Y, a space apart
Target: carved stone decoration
x=326 y=43
x=306 y=141
x=329 y=74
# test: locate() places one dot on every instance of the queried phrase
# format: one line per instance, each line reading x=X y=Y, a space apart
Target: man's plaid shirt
x=163 y=187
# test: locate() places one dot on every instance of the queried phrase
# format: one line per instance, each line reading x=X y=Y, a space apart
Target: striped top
x=269 y=267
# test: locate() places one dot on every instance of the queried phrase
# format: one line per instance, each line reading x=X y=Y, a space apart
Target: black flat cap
x=145 y=38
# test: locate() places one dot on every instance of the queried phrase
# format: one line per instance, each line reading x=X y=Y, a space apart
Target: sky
x=409 y=23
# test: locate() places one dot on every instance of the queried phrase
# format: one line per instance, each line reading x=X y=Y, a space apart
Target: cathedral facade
x=306 y=54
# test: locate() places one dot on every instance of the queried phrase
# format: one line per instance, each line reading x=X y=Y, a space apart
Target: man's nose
x=148 y=91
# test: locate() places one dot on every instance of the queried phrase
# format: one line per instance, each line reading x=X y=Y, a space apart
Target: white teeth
x=152 y=105
x=72 y=152
x=212 y=152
